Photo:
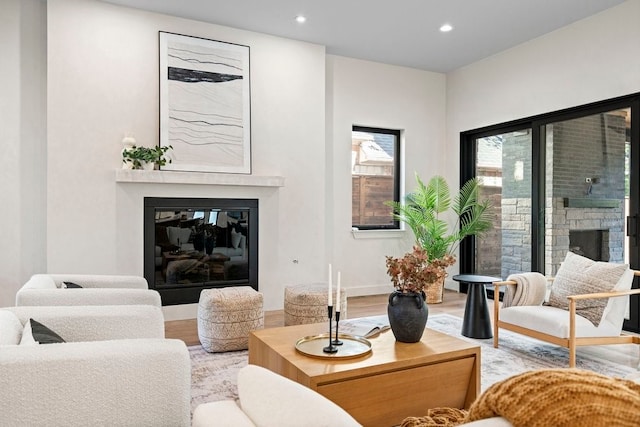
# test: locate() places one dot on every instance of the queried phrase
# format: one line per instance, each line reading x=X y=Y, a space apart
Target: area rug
x=213 y=375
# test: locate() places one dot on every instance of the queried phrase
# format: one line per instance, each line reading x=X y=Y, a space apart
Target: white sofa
x=47 y=290
x=115 y=369
x=180 y=238
x=266 y=399
x=269 y=400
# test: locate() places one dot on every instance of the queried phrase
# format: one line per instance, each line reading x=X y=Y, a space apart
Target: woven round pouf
x=307 y=303
x=227 y=315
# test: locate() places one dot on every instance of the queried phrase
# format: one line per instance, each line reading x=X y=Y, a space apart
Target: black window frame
x=397 y=133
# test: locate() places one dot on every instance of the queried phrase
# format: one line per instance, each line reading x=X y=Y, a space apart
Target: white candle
x=330 y=288
x=338 y=295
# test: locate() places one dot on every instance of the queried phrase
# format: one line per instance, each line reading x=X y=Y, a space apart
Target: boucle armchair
x=115 y=369
x=47 y=290
x=267 y=399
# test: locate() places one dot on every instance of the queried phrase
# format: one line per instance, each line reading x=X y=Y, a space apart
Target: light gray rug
x=213 y=376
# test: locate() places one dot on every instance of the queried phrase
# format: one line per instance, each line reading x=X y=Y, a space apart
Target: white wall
x=591 y=60
x=103 y=83
x=378 y=95
x=22 y=137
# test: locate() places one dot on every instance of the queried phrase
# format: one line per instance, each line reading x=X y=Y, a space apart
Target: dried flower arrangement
x=414 y=272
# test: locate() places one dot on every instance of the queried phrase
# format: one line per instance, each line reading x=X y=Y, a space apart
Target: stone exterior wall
x=489 y=246
x=589 y=147
x=561 y=220
x=516 y=204
x=516 y=236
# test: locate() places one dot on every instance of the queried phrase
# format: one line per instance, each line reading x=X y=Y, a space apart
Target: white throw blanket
x=530 y=289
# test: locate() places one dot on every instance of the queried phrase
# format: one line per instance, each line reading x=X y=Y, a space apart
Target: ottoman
x=227 y=315
x=307 y=303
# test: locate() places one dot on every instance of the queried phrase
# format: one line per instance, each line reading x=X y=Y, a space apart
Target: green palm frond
x=422 y=207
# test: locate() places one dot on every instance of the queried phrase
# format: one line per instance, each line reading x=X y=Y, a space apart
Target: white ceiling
x=401 y=32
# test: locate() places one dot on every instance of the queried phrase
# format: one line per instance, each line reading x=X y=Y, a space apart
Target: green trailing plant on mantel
x=423 y=209
x=138 y=156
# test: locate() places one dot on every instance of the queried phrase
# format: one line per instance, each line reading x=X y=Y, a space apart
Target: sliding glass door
x=565 y=181
x=587 y=187
x=503 y=163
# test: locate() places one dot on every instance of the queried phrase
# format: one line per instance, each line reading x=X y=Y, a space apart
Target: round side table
x=476 y=322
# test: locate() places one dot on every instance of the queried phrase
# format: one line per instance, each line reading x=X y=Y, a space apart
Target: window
x=375 y=169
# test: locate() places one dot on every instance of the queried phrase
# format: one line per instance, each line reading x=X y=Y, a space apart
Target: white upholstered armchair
x=49 y=290
x=267 y=399
x=115 y=369
x=587 y=306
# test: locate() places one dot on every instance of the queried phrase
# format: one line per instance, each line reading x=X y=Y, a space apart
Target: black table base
x=476 y=322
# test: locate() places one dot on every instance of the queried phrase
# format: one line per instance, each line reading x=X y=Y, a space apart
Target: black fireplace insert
x=191 y=244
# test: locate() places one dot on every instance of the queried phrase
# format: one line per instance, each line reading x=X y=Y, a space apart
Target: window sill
x=377 y=234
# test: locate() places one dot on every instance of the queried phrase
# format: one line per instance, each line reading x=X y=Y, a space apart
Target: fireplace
x=593 y=244
x=191 y=244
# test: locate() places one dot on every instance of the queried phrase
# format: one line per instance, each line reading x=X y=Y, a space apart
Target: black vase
x=198 y=242
x=408 y=314
x=209 y=244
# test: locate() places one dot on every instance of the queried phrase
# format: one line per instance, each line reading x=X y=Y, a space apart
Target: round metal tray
x=352 y=346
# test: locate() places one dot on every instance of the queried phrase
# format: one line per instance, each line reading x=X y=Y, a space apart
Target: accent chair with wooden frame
x=567 y=328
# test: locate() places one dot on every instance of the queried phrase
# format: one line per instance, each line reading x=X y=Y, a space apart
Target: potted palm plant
x=424 y=211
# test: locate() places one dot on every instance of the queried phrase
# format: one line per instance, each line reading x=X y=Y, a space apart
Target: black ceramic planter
x=408 y=314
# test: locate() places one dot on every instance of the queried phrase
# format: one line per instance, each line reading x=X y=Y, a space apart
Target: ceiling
x=400 y=32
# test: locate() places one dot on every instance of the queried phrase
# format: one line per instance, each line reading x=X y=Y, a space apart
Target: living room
x=88 y=76
x=84 y=74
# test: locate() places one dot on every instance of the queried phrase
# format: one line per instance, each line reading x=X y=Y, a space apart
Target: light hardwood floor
x=453 y=303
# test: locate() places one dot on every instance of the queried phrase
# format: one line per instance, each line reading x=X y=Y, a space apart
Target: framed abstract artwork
x=205 y=104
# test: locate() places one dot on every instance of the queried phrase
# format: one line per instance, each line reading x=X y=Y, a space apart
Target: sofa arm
x=97 y=323
x=223 y=413
x=302 y=403
x=96 y=280
x=92 y=296
x=115 y=383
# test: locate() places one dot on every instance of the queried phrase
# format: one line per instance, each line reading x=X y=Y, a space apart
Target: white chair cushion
x=554 y=321
x=615 y=311
x=261 y=390
x=10 y=328
x=224 y=413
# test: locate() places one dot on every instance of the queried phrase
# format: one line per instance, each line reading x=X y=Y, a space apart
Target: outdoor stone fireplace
x=585 y=195
x=593 y=244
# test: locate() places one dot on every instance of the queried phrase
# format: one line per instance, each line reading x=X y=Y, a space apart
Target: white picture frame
x=205 y=104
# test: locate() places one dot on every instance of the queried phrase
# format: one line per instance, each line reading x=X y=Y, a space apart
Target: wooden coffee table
x=394 y=381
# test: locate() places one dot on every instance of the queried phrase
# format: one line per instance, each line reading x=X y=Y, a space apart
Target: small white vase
x=148 y=166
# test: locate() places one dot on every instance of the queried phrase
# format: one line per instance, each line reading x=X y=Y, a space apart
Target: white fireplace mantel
x=179 y=177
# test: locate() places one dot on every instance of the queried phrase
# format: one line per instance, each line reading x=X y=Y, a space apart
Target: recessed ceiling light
x=446 y=28
x=300 y=19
